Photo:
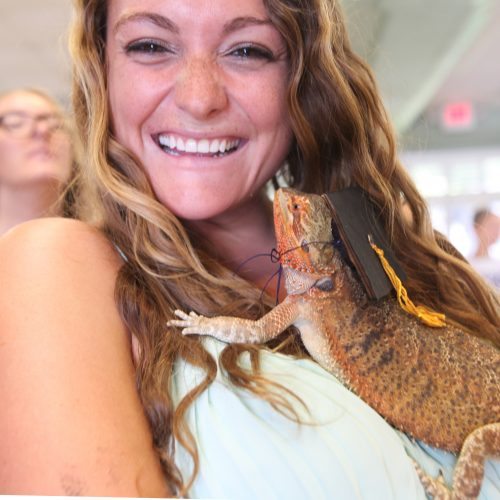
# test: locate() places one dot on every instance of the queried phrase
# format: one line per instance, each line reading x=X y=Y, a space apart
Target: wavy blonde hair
x=342 y=138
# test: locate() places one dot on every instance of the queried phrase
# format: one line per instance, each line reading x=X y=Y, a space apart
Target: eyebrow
x=242 y=22
x=157 y=19
x=165 y=23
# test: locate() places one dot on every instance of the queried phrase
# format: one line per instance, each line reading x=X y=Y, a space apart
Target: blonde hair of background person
x=37 y=157
x=89 y=306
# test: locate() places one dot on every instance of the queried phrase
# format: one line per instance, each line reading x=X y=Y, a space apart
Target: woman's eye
x=252 y=52
x=148 y=47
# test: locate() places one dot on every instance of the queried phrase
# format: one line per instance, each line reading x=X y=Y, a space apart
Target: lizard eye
x=324 y=284
x=295 y=206
x=305 y=246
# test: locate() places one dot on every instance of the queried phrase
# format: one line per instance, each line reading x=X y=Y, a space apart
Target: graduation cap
x=358 y=225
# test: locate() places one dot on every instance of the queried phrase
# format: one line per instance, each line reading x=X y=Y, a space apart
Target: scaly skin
x=439 y=385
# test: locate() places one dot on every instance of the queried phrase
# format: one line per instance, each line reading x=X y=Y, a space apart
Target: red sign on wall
x=458 y=116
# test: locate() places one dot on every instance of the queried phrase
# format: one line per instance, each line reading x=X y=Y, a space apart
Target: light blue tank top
x=344 y=449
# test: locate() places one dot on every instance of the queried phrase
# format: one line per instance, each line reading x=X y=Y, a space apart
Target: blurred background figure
x=36 y=158
x=487 y=229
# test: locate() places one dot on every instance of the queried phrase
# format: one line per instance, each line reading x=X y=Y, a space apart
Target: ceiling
x=425 y=54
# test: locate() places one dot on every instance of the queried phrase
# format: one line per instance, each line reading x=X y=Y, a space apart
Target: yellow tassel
x=425 y=315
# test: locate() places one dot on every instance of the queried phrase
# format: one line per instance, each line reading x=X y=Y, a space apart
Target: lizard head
x=303 y=226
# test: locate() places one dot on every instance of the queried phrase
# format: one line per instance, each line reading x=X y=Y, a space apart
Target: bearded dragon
x=440 y=386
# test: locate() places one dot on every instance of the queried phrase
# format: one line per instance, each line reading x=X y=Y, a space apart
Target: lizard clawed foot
x=435 y=487
x=191 y=323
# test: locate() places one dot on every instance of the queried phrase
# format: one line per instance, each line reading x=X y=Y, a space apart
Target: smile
x=212 y=147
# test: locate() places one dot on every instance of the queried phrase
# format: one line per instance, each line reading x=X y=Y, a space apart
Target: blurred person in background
x=487 y=229
x=37 y=160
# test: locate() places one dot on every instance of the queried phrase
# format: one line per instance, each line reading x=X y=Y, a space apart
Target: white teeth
x=164 y=141
x=191 y=146
x=179 y=144
x=203 y=146
x=214 y=146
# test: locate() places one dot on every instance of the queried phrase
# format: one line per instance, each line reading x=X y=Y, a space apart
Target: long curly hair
x=342 y=138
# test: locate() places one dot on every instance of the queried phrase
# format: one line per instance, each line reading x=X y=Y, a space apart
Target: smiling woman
x=199 y=99
x=186 y=110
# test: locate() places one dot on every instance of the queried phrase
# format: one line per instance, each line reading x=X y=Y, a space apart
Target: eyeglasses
x=21 y=125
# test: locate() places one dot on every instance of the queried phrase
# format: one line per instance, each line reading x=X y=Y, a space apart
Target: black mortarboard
x=356 y=218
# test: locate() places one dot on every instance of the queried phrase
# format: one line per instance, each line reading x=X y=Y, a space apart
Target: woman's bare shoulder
x=72 y=419
x=55 y=268
x=65 y=241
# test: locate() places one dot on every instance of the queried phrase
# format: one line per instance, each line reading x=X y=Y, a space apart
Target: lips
x=213 y=147
x=41 y=152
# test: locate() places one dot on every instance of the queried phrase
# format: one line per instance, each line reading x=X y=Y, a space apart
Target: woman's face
x=31 y=150
x=197 y=90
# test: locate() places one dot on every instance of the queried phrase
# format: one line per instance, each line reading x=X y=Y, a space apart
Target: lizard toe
x=181 y=314
x=176 y=322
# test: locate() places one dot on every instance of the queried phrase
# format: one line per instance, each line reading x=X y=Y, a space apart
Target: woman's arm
x=71 y=420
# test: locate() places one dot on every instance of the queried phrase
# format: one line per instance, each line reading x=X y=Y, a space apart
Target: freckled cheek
x=126 y=111
x=133 y=100
x=268 y=104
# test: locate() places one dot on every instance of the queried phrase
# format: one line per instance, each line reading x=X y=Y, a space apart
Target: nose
x=42 y=127
x=199 y=89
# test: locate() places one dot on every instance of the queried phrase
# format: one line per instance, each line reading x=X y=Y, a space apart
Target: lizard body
x=440 y=386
